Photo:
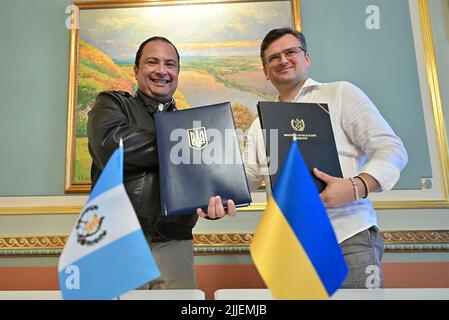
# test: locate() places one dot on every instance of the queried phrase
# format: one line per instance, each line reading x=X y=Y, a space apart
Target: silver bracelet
x=356 y=189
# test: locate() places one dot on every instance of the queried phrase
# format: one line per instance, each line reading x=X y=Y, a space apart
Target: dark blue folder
x=310 y=125
x=199 y=157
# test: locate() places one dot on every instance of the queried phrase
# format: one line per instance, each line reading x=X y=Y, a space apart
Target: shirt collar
x=309 y=83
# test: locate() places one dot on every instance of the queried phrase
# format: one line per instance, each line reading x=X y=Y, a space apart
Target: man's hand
x=216 y=210
x=338 y=192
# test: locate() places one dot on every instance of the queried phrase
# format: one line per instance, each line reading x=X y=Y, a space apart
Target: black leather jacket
x=116 y=115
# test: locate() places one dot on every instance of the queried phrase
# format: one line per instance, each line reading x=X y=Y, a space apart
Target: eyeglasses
x=275 y=58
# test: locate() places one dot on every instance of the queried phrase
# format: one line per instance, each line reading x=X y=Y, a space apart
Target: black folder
x=199 y=157
x=310 y=125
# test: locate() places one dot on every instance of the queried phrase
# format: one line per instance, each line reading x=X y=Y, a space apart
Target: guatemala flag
x=106 y=254
x=294 y=248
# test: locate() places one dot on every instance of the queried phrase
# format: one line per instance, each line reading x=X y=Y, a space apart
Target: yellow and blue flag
x=295 y=248
x=106 y=254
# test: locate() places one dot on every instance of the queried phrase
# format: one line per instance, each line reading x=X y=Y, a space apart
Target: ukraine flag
x=295 y=248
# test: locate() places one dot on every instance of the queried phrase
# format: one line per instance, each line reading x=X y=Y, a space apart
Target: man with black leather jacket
x=118 y=114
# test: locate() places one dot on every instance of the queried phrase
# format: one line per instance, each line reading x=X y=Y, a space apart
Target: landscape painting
x=218 y=44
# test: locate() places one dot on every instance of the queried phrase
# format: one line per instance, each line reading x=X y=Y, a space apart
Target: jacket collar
x=153 y=105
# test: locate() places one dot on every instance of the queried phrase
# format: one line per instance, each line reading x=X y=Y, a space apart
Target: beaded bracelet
x=365 y=184
x=356 y=190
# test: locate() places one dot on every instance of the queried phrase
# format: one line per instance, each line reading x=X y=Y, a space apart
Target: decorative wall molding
x=222 y=239
x=46 y=246
x=408 y=237
x=411 y=241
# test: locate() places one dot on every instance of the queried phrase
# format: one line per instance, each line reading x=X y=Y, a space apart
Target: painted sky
x=230 y=29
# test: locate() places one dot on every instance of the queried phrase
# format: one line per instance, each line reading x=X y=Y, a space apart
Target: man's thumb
x=322 y=176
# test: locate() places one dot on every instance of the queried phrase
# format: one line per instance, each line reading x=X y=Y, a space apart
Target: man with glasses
x=371 y=155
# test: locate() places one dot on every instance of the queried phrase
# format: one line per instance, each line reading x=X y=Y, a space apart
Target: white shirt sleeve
x=369 y=131
x=254 y=156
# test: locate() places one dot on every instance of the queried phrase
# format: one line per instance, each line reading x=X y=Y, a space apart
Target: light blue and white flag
x=106 y=254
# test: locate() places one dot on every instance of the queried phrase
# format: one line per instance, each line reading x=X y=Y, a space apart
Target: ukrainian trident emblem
x=197 y=138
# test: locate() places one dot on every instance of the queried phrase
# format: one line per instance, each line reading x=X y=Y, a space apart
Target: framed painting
x=218 y=42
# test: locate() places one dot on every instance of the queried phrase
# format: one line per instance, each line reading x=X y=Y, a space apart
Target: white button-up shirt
x=365 y=143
